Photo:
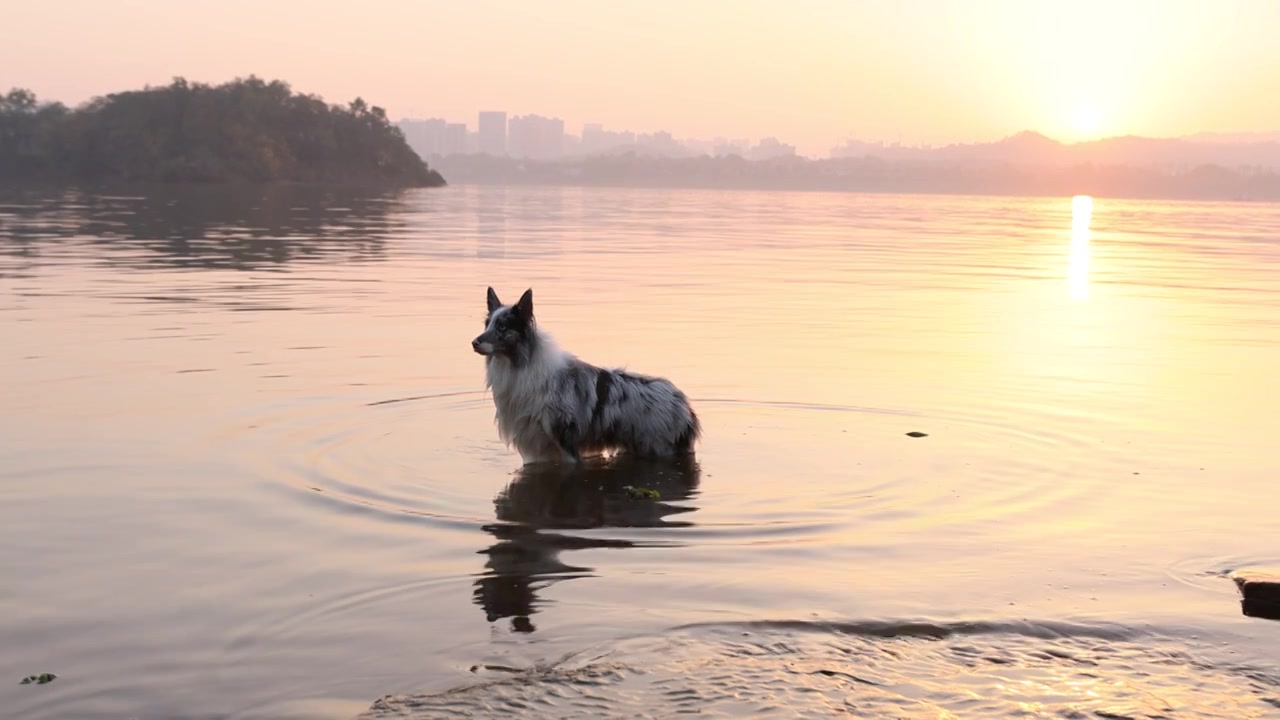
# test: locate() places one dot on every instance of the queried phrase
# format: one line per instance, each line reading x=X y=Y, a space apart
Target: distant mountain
x=1252 y=137
x=1034 y=149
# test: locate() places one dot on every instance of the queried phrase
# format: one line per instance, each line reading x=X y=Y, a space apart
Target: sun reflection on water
x=1078 y=265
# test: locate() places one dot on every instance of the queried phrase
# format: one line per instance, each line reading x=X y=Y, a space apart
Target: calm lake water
x=248 y=468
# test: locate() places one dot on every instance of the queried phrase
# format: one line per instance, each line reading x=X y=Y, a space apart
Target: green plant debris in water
x=41 y=679
x=636 y=493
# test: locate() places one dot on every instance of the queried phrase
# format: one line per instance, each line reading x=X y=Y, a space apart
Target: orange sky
x=808 y=71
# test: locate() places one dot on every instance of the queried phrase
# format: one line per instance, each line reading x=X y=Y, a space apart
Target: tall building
x=592 y=139
x=492 y=133
x=536 y=138
x=434 y=137
x=455 y=139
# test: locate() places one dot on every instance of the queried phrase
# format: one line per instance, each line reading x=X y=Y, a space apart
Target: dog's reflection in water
x=542 y=500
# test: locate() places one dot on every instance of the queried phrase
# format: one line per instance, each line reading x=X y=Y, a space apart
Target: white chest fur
x=520 y=397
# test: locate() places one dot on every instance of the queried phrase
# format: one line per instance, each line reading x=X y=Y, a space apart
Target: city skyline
x=440 y=137
x=525 y=149
x=535 y=137
x=811 y=73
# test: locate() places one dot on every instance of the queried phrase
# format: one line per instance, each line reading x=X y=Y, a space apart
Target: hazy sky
x=808 y=71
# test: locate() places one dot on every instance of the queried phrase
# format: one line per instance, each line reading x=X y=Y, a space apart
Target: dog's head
x=509 y=330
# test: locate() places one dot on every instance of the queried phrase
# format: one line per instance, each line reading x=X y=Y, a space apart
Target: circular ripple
x=973 y=469
x=436 y=456
x=384 y=457
x=1212 y=573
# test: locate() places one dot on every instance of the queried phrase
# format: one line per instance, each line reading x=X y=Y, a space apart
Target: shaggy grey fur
x=554 y=407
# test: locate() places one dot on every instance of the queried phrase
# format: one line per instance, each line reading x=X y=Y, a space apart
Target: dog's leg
x=564 y=430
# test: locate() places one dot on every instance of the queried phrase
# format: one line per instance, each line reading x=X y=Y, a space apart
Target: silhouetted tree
x=247 y=129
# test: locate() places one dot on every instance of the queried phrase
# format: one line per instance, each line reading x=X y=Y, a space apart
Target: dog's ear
x=524 y=308
x=494 y=302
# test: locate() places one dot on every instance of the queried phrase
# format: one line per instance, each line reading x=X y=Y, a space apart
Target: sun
x=1085 y=120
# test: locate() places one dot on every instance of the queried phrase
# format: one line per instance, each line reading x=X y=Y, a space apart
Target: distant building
x=723 y=147
x=770 y=148
x=455 y=139
x=536 y=138
x=592 y=139
x=492 y=133
x=661 y=143
x=598 y=141
x=699 y=147
x=857 y=149
x=434 y=137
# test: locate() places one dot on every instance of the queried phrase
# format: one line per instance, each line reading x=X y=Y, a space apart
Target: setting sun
x=1085 y=120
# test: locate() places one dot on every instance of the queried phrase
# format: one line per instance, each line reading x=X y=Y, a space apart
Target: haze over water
x=248 y=468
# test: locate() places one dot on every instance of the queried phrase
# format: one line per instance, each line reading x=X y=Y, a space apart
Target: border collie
x=556 y=408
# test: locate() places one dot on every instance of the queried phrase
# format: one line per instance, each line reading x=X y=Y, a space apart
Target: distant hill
x=1254 y=137
x=245 y=130
x=1032 y=148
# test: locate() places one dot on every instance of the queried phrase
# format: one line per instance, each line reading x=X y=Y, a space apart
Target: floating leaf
x=636 y=493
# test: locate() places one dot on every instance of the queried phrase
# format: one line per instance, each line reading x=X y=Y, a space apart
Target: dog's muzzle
x=482 y=347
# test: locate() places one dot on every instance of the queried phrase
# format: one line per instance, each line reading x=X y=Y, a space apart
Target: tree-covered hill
x=245 y=130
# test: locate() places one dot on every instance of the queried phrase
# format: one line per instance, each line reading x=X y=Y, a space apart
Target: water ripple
x=901 y=669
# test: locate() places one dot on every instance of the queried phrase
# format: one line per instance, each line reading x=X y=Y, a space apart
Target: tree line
x=244 y=130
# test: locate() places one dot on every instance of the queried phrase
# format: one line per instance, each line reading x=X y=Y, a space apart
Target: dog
x=554 y=407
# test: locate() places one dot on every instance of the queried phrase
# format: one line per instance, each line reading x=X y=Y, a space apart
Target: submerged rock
x=1260 y=592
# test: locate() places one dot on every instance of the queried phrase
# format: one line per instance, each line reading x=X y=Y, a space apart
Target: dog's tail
x=689 y=434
